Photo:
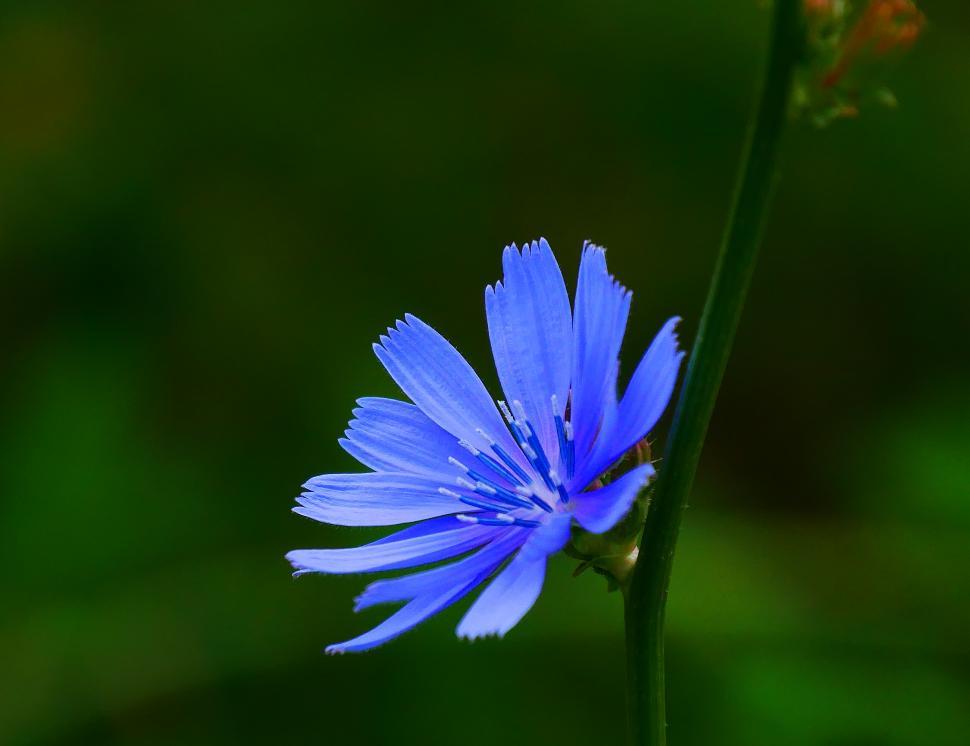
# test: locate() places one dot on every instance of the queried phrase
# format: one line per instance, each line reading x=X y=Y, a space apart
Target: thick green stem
x=647 y=594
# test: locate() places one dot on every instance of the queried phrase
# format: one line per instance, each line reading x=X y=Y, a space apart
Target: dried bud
x=850 y=52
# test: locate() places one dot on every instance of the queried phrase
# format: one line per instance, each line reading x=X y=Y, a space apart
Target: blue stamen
x=473 y=501
x=520 y=429
x=486 y=490
x=510 y=462
x=533 y=457
x=561 y=433
x=497 y=491
x=499 y=520
x=488 y=461
x=540 y=451
x=483 y=504
x=517 y=433
x=563 y=495
x=538 y=455
x=536 y=499
x=485 y=486
x=497 y=468
x=496 y=522
x=570 y=450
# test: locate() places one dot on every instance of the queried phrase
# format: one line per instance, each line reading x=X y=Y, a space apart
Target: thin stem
x=647 y=595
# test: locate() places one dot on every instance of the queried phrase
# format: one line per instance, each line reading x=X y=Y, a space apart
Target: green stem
x=647 y=594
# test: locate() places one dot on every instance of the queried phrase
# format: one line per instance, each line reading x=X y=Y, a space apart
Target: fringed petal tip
x=352 y=646
x=299 y=569
x=535 y=246
x=594 y=256
x=471 y=637
x=342 y=648
x=670 y=327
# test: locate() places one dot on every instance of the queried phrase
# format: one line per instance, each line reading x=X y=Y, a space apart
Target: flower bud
x=849 y=53
x=613 y=553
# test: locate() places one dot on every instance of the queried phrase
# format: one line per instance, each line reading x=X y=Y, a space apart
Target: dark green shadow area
x=208 y=212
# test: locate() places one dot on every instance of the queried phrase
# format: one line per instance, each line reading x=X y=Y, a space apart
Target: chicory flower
x=497 y=487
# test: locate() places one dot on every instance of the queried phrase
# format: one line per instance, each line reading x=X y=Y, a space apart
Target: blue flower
x=499 y=486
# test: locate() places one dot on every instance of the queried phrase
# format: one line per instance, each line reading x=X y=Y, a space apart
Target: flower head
x=494 y=486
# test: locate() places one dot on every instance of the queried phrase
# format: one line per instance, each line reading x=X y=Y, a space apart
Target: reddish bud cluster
x=885 y=26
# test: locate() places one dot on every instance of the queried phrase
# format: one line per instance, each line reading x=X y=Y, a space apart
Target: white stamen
x=455 y=462
x=554 y=477
x=523 y=421
x=482 y=487
x=448 y=493
x=524 y=491
x=529 y=452
x=469 y=447
x=462 y=482
x=504 y=517
x=569 y=430
x=555 y=403
x=486 y=436
x=505 y=411
x=466 y=518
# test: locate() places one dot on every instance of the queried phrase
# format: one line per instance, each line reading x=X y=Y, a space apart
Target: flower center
x=492 y=496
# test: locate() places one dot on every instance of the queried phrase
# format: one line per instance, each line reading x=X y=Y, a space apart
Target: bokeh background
x=208 y=211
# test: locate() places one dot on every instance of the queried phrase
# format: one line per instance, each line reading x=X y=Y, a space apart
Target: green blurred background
x=209 y=212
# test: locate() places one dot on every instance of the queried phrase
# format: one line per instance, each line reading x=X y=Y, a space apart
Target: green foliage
x=210 y=211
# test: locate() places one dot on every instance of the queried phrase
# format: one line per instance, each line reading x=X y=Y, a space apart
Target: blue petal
x=375 y=499
x=530 y=328
x=407 y=587
x=439 y=380
x=391 y=435
x=424 y=528
x=645 y=399
x=599 y=510
x=516 y=588
x=548 y=538
x=602 y=306
x=393 y=553
x=406 y=618
x=651 y=386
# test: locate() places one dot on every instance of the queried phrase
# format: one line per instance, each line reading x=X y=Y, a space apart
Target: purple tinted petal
x=601 y=310
x=439 y=380
x=406 y=618
x=651 y=386
x=424 y=528
x=374 y=499
x=530 y=328
x=395 y=436
x=599 y=510
x=516 y=588
x=407 y=587
x=549 y=538
x=644 y=401
x=393 y=554
x=505 y=601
